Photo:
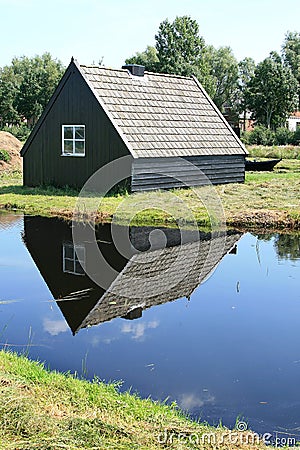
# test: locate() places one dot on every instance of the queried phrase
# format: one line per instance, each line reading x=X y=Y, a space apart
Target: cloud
x=55 y=327
x=96 y=340
x=138 y=329
x=190 y=401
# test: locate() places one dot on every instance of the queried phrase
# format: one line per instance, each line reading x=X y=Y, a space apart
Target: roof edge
x=107 y=112
x=243 y=148
x=48 y=107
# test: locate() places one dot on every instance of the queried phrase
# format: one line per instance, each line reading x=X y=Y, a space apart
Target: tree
x=224 y=77
x=179 y=46
x=246 y=72
x=26 y=87
x=9 y=86
x=291 y=55
x=272 y=92
x=148 y=58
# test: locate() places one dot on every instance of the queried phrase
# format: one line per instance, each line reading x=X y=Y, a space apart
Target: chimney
x=135 y=69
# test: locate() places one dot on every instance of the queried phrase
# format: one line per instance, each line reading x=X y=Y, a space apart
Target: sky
x=116 y=29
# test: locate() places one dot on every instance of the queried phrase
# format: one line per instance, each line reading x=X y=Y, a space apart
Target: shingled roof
x=144 y=280
x=161 y=115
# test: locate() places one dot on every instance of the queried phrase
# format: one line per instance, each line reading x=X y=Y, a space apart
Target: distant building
x=97 y=115
x=246 y=123
x=293 y=122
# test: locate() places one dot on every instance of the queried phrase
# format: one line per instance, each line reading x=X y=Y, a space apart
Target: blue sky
x=116 y=29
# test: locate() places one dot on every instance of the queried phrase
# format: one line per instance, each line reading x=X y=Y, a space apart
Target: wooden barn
x=98 y=114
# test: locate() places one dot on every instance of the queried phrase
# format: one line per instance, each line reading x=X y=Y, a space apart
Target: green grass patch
x=45 y=410
x=4 y=155
x=275 y=151
x=265 y=199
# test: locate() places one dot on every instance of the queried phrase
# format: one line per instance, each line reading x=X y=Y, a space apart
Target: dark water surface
x=222 y=347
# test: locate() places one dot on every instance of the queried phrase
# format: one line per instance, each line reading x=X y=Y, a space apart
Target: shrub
x=261 y=136
x=245 y=137
x=21 y=132
x=296 y=137
x=284 y=136
x=4 y=155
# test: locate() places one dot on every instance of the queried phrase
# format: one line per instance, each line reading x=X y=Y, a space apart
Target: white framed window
x=73 y=140
x=73 y=259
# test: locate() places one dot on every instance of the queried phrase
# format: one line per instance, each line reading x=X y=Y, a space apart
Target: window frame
x=73 y=140
x=74 y=259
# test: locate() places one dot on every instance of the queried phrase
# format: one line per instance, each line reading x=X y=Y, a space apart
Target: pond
x=220 y=335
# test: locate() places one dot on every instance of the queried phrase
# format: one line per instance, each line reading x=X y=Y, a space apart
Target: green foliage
x=296 y=137
x=283 y=136
x=287 y=152
x=246 y=69
x=291 y=55
x=179 y=46
x=148 y=58
x=26 y=87
x=272 y=92
x=260 y=135
x=224 y=74
x=19 y=131
x=4 y=155
x=287 y=246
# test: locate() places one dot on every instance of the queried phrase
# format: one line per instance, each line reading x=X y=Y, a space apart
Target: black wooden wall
x=75 y=105
x=150 y=173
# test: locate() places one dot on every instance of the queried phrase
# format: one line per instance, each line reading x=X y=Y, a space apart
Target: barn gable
x=73 y=103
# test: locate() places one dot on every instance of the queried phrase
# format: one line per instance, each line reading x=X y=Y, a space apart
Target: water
x=222 y=340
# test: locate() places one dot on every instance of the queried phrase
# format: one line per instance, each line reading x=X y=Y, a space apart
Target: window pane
x=68 y=146
x=79 y=147
x=79 y=132
x=68 y=132
x=69 y=265
x=68 y=249
x=78 y=268
x=79 y=253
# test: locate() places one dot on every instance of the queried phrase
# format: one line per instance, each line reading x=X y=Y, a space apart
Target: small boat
x=263 y=165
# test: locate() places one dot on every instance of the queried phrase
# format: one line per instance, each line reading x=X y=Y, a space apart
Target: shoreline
x=46 y=409
x=257 y=220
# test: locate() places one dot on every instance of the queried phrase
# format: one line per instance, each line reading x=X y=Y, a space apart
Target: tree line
x=270 y=90
x=26 y=86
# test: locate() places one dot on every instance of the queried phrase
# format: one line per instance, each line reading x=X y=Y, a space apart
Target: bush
x=245 y=137
x=261 y=136
x=284 y=136
x=4 y=155
x=296 y=137
x=21 y=132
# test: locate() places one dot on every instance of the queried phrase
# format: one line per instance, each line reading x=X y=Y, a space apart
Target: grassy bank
x=43 y=410
x=276 y=151
x=267 y=199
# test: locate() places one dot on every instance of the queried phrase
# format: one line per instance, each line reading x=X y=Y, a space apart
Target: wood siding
x=150 y=173
x=75 y=105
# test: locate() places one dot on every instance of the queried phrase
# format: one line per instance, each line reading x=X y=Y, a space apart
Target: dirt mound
x=13 y=146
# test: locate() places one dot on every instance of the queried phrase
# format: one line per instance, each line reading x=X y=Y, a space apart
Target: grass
x=276 y=151
x=45 y=410
x=266 y=199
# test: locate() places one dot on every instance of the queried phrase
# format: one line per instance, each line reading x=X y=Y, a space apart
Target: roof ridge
x=168 y=75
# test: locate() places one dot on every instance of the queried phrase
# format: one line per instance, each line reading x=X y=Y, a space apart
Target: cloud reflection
x=190 y=401
x=138 y=329
x=55 y=327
